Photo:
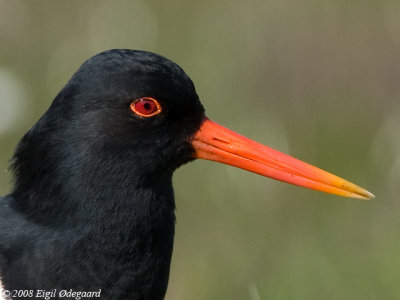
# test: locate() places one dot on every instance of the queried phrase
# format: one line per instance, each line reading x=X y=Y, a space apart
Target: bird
x=92 y=204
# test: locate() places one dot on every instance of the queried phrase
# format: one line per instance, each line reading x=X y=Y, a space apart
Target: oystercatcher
x=92 y=207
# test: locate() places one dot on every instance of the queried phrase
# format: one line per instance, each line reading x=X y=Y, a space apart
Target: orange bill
x=217 y=143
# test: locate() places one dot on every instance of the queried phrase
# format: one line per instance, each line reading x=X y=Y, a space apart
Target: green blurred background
x=317 y=79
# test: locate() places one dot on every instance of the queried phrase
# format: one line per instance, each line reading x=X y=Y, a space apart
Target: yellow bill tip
x=362 y=194
x=369 y=195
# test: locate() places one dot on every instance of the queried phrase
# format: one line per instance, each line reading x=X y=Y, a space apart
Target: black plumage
x=92 y=205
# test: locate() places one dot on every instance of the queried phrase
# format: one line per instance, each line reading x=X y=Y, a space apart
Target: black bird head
x=124 y=116
x=136 y=104
x=96 y=111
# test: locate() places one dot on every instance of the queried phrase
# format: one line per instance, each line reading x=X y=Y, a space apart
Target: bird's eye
x=146 y=107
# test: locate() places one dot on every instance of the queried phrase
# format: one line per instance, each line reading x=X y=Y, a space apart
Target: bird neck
x=133 y=238
x=128 y=229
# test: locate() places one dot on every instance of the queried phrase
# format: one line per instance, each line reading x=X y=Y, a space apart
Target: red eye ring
x=145 y=107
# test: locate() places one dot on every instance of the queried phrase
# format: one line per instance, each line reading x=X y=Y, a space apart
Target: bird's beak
x=214 y=142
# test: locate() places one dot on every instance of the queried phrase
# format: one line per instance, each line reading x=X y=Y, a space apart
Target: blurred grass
x=315 y=79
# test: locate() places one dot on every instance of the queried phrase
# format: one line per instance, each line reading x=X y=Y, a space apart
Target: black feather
x=92 y=205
